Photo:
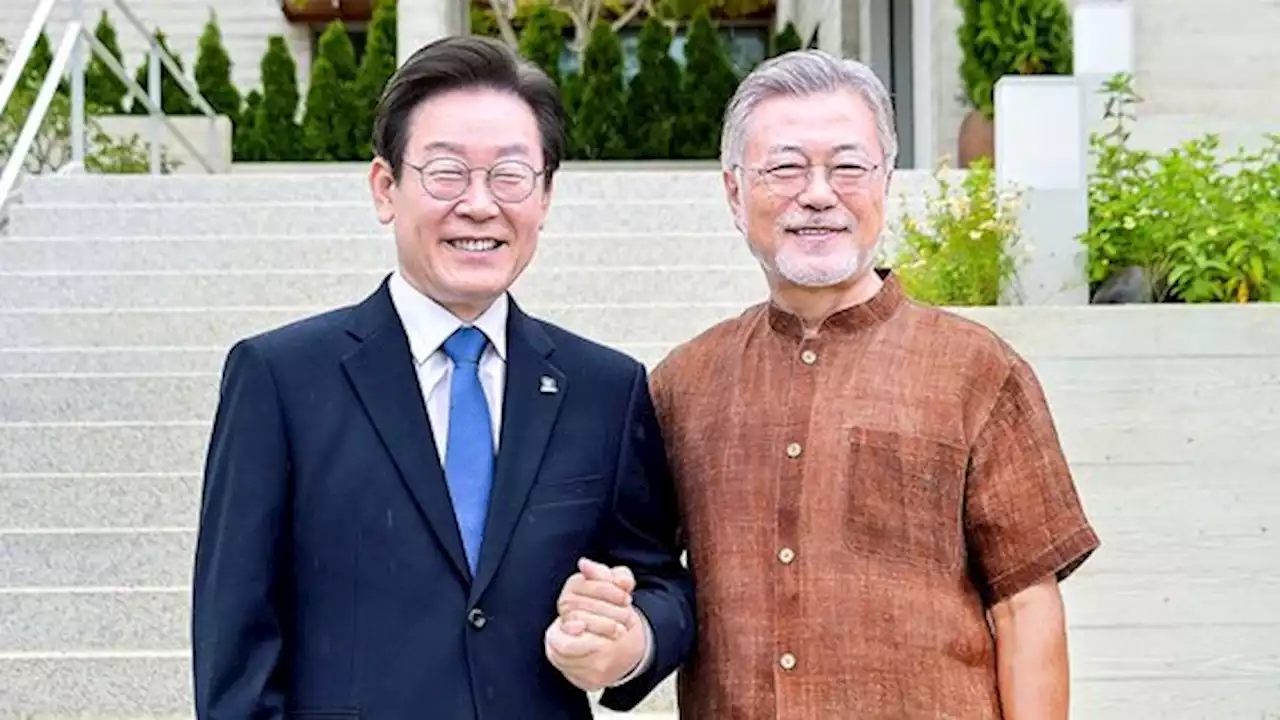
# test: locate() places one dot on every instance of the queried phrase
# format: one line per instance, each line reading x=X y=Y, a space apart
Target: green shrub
x=174 y=100
x=104 y=93
x=787 y=40
x=329 y=125
x=326 y=131
x=213 y=72
x=1201 y=225
x=51 y=149
x=275 y=123
x=966 y=248
x=601 y=112
x=376 y=67
x=1011 y=37
x=542 y=40
x=654 y=99
x=246 y=144
x=709 y=82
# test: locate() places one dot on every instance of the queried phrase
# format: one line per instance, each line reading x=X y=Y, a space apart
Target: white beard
x=795 y=266
x=808 y=271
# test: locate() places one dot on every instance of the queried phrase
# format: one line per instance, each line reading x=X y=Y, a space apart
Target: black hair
x=460 y=62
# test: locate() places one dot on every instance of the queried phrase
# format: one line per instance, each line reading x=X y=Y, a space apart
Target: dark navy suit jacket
x=330 y=580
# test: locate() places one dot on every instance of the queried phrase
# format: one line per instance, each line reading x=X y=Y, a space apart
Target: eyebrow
x=843 y=147
x=512 y=149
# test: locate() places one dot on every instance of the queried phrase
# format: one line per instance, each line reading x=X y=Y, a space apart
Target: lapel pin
x=548 y=386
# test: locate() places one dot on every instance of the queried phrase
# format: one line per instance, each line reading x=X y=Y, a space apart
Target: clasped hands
x=598 y=636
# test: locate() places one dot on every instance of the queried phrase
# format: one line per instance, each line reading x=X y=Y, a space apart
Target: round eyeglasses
x=509 y=181
x=790 y=179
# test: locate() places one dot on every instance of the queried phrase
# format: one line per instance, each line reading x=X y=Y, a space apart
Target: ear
x=733 y=190
x=382 y=186
x=547 y=187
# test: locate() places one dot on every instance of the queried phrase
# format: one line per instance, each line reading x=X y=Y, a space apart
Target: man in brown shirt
x=876 y=504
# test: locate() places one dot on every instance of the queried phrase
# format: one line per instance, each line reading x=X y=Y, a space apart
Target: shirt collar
x=848 y=321
x=428 y=324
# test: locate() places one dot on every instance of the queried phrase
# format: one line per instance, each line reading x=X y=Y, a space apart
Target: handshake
x=598 y=637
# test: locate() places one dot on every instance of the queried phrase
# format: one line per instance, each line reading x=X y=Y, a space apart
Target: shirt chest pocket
x=905 y=503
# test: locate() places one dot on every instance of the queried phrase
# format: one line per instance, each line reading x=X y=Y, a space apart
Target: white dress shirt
x=427 y=324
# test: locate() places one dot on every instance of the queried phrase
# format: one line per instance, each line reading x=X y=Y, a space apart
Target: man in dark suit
x=430 y=504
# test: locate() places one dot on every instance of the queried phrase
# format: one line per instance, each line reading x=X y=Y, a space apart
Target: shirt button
x=787 y=661
x=808 y=357
x=786 y=555
x=793 y=450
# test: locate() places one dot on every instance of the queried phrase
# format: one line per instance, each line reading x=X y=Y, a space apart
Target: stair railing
x=70 y=56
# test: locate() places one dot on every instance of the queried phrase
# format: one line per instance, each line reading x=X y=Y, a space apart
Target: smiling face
x=809 y=228
x=459 y=239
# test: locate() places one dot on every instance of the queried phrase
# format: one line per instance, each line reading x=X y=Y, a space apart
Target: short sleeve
x=1023 y=516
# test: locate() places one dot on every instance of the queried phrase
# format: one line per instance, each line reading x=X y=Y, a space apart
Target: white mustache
x=796 y=222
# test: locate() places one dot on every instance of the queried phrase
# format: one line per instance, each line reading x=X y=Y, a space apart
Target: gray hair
x=799 y=73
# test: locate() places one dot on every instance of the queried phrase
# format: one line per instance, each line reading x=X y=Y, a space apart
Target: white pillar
x=1102 y=45
x=1040 y=154
x=418 y=22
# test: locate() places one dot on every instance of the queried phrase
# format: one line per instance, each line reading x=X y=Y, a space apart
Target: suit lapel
x=381 y=371
x=532 y=399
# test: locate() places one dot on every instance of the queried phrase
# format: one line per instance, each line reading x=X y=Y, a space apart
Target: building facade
x=1198 y=65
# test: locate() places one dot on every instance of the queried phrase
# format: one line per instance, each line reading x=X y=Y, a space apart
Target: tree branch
x=632 y=12
x=503 y=10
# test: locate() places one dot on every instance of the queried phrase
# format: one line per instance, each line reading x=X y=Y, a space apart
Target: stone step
x=572 y=184
x=339 y=252
x=569 y=186
x=158 y=289
x=150 y=686
x=112 y=447
x=59 y=501
x=204 y=327
x=144 y=359
x=338 y=218
x=357 y=218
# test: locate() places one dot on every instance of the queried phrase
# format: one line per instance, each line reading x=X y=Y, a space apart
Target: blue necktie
x=468 y=464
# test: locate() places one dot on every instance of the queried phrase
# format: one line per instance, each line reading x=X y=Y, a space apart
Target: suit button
x=477 y=619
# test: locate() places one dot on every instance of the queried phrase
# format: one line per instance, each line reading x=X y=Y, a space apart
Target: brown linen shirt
x=854 y=502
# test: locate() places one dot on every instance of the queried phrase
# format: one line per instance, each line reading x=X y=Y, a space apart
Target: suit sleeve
x=236 y=626
x=646 y=537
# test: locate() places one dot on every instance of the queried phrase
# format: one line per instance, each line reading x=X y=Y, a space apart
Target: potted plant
x=1005 y=37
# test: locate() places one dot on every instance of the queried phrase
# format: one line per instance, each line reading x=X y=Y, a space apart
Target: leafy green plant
x=542 y=40
x=51 y=149
x=654 y=98
x=1203 y=225
x=328 y=126
x=324 y=119
x=275 y=120
x=787 y=40
x=213 y=72
x=965 y=248
x=709 y=83
x=104 y=93
x=174 y=100
x=377 y=65
x=1011 y=37
x=603 y=106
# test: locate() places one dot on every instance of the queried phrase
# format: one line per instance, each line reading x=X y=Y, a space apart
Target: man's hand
x=599 y=636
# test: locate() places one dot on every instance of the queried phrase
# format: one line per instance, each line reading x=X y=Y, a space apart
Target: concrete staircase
x=119 y=297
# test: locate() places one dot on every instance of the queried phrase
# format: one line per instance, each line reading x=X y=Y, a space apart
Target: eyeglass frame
x=470 y=172
x=762 y=173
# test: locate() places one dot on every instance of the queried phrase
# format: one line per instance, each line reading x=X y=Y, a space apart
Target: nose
x=818 y=193
x=478 y=202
